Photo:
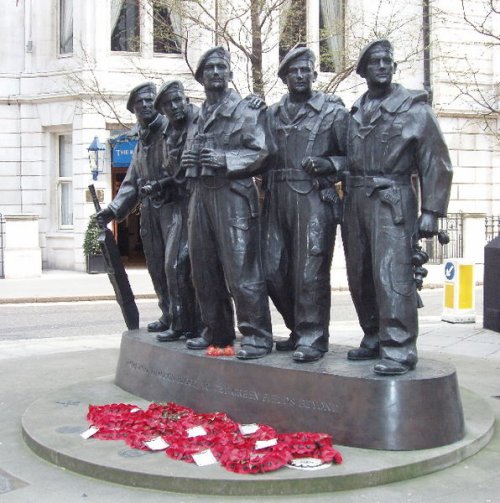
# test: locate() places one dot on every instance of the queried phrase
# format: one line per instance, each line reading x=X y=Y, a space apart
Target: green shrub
x=90 y=242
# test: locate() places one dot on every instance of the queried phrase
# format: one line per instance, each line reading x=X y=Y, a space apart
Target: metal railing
x=492 y=227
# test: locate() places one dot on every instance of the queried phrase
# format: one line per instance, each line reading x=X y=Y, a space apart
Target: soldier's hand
x=318 y=166
x=427 y=224
x=212 y=159
x=189 y=159
x=255 y=101
x=104 y=216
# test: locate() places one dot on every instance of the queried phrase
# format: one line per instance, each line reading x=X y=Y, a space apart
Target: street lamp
x=96 y=157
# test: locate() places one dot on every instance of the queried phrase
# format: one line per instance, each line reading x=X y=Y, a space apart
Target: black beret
x=145 y=86
x=219 y=52
x=172 y=85
x=383 y=43
x=296 y=53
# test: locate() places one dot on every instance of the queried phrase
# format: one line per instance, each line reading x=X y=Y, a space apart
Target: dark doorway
x=127 y=233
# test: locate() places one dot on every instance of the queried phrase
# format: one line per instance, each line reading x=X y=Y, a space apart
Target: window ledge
x=61 y=234
x=125 y=53
x=167 y=55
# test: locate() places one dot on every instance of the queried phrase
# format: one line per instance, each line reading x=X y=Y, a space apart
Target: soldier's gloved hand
x=212 y=159
x=189 y=159
x=256 y=102
x=427 y=224
x=104 y=216
x=318 y=166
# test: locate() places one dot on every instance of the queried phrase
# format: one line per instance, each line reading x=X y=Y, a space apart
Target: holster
x=392 y=197
x=330 y=196
x=246 y=193
x=140 y=184
x=169 y=194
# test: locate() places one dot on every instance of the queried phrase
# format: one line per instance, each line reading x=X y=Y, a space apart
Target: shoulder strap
x=314 y=130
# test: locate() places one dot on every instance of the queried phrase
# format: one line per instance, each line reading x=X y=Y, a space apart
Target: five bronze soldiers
x=215 y=236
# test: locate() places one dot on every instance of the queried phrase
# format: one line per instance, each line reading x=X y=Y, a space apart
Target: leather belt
x=378 y=180
x=281 y=175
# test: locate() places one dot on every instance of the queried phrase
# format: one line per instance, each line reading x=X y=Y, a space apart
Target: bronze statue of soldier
x=392 y=135
x=225 y=147
x=146 y=169
x=172 y=102
x=307 y=134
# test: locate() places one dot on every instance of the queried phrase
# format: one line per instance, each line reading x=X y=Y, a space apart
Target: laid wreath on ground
x=186 y=434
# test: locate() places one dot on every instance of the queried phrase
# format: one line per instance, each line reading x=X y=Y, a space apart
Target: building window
x=324 y=34
x=65 y=181
x=293 y=26
x=166 y=29
x=65 y=26
x=331 y=35
x=125 y=26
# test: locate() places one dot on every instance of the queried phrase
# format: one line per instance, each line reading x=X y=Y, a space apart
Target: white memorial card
x=157 y=444
x=88 y=433
x=196 y=431
x=248 y=429
x=262 y=444
x=204 y=458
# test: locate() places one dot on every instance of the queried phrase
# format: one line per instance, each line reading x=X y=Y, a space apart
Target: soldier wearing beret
x=301 y=207
x=226 y=146
x=146 y=168
x=392 y=134
x=171 y=101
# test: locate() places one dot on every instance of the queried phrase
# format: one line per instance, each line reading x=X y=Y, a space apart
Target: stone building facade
x=67 y=67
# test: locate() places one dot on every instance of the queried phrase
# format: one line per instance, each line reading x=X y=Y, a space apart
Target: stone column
x=474 y=237
x=22 y=253
x=474 y=240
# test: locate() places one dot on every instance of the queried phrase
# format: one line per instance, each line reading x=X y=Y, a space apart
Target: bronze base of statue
x=419 y=410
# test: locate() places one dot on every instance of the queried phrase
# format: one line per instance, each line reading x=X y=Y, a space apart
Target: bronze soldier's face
x=300 y=76
x=174 y=104
x=379 y=68
x=143 y=106
x=216 y=74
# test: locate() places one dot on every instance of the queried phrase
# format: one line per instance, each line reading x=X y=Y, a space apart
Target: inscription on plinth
x=228 y=390
x=345 y=399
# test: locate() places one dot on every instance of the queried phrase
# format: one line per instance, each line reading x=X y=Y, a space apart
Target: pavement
x=31 y=372
x=62 y=286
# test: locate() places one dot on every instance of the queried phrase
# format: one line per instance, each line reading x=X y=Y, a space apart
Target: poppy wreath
x=234 y=450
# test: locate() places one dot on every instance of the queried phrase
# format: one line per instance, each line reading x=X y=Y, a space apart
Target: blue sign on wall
x=121 y=153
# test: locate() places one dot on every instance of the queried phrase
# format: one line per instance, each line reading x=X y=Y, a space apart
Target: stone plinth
x=419 y=410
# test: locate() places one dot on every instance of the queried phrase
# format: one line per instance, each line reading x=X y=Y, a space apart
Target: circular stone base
x=52 y=426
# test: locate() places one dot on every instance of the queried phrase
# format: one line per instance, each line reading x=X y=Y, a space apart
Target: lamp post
x=96 y=157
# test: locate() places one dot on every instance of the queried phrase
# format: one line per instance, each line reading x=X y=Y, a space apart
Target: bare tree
x=86 y=83
x=485 y=21
x=469 y=72
x=246 y=27
x=258 y=32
